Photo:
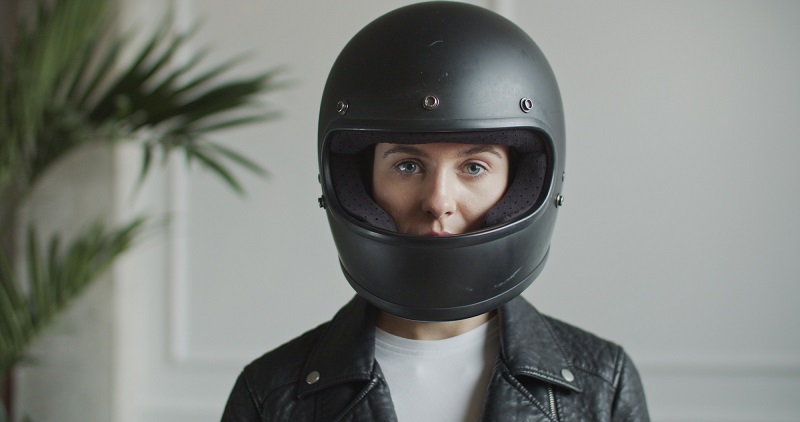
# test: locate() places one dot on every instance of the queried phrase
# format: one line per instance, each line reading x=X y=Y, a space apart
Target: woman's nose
x=439 y=200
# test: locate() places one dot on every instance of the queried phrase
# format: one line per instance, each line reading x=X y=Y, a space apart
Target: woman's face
x=439 y=189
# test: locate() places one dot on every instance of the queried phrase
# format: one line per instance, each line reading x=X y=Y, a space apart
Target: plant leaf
x=215 y=166
x=57 y=282
x=237 y=158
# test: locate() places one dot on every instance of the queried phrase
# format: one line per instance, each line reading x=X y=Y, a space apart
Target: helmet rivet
x=526 y=104
x=430 y=102
x=341 y=107
x=559 y=200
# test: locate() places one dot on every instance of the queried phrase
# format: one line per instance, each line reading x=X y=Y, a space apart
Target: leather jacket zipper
x=551 y=396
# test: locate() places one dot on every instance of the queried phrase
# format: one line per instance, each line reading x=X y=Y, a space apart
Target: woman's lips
x=438 y=233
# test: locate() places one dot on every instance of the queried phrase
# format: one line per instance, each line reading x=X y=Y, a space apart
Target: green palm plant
x=64 y=84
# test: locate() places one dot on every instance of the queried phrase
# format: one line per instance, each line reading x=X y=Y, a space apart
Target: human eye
x=407 y=167
x=474 y=169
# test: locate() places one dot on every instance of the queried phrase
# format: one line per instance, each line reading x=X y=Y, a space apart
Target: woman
x=441 y=151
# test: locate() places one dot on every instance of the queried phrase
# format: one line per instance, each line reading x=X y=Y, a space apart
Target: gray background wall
x=678 y=240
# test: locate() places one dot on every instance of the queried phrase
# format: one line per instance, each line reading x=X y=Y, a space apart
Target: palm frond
x=55 y=277
x=236 y=157
x=202 y=154
x=87 y=93
x=60 y=34
x=67 y=83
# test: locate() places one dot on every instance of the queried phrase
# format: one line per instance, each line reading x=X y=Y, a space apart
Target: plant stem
x=7 y=395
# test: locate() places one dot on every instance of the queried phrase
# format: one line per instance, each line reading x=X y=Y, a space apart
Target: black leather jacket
x=547 y=371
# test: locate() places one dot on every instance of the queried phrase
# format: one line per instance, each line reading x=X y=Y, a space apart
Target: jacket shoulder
x=281 y=366
x=607 y=362
x=587 y=352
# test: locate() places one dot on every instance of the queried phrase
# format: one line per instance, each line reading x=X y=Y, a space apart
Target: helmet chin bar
x=442 y=314
x=441 y=278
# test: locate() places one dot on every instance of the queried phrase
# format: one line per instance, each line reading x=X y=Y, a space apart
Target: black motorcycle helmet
x=441 y=72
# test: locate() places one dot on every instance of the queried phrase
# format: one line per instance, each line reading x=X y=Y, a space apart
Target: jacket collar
x=345 y=351
x=530 y=347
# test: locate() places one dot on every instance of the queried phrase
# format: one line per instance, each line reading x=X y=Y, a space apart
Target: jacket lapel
x=529 y=348
x=531 y=366
x=341 y=374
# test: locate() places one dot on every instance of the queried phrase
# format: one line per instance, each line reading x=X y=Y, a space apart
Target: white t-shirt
x=439 y=380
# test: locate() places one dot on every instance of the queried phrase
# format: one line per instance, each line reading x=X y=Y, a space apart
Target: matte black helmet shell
x=442 y=72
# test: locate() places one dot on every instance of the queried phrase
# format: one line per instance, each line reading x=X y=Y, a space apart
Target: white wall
x=70 y=367
x=678 y=239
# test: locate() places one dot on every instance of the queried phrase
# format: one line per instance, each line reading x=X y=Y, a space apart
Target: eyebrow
x=479 y=149
x=407 y=149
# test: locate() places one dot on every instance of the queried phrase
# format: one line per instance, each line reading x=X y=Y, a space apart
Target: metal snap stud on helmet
x=441 y=72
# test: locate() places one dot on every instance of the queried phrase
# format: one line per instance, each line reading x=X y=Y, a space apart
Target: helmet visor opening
x=349 y=158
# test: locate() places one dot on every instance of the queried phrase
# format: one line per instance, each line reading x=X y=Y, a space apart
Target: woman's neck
x=417 y=330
